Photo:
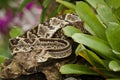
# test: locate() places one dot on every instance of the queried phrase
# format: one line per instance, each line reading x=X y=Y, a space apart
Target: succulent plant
x=102 y=48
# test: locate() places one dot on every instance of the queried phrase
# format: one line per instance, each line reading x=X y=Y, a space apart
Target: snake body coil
x=37 y=45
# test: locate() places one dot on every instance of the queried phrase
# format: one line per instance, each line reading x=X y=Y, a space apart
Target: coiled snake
x=41 y=49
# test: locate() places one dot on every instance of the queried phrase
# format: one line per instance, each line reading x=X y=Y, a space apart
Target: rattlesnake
x=34 y=48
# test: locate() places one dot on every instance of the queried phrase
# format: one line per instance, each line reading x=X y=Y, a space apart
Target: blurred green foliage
x=15 y=31
x=4 y=49
x=4 y=3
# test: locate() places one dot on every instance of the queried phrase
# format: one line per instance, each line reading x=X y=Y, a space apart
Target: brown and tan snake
x=38 y=46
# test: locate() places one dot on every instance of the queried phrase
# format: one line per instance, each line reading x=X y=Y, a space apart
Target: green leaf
x=90 y=56
x=95 y=3
x=88 y=29
x=80 y=50
x=113 y=3
x=117 y=13
x=70 y=30
x=76 y=69
x=2 y=59
x=15 y=31
x=107 y=73
x=61 y=7
x=4 y=47
x=113 y=37
x=116 y=52
x=98 y=45
x=114 y=65
x=67 y=4
x=43 y=15
x=24 y=3
x=46 y=3
x=83 y=69
x=87 y=15
x=104 y=12
x=44 y=10
x=106 y=15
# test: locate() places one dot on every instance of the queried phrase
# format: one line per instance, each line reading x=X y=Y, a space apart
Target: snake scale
x=38 y=49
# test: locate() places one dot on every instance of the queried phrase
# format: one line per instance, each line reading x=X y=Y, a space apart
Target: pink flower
x=29 y=5
x=5 y=19
x=29 y=16
x=26 y=19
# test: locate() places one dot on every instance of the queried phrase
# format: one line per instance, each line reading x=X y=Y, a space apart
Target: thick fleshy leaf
x=84 y=69
x=95 y=3
x=70 y=30
x=80 y=50
x=67 y=4
x=15 y=31
x=76 y=69
x=90 y=56
x=106 y=15
x=98 y=45
x=88 y=16
x=104 y=12
x=88 y=29
x=113 y=37
x=113 y=4
x=114 y=65
x=116 y=52
x=117 y=13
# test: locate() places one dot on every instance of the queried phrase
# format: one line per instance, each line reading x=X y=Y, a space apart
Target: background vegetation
x=101 y=18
